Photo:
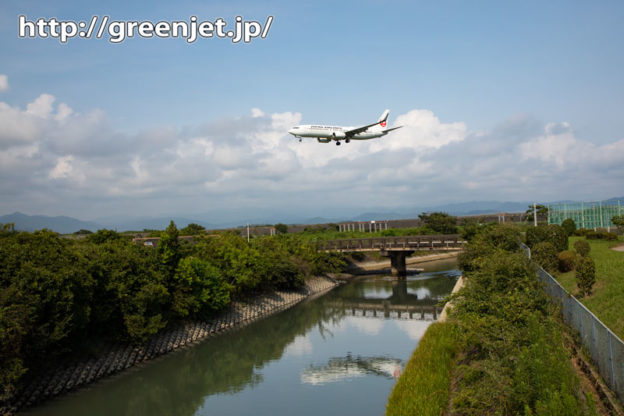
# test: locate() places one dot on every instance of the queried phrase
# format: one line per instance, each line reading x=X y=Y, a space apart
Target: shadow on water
x=194 y=380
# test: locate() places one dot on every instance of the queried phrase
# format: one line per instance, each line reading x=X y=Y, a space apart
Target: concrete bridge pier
x=397 y=261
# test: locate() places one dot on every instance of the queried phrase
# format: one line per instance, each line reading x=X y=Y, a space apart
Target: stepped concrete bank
x=73 y=375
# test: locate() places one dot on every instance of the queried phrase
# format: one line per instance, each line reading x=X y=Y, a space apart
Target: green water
x=313 y=359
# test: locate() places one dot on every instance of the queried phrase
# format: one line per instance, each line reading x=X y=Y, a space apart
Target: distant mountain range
x=67 y=225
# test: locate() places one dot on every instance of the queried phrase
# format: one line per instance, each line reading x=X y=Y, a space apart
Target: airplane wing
x=353 y=132
x=393 y=128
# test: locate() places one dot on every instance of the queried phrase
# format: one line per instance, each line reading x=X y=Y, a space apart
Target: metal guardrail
x=606 y=349
x=393 y=243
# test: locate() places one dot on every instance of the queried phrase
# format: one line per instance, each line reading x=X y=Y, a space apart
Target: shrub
x=569 y=226
x=585 y=275
x=553 y=234
x=545 y=254
x=582 y=247
x=581 y=232
x=566 y=260
x=601 y=235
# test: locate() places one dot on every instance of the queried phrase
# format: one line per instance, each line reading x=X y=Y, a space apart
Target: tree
x=582 y=247
x=440 y=222
x=545 y=254
x=553 y=234
x=281 y=228
x=585 y=275
x=199 y=289
x=618 y=221
x=569 y=226
x=567 y=259
x=192 y=229
x=169 y=248
x=542 y=211
x=103 y=235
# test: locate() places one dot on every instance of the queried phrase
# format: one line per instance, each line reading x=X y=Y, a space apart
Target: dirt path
x=618 y=248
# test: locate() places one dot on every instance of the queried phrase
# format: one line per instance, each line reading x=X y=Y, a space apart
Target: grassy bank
x=424 y=387
x=607 y=299
x=508 y=356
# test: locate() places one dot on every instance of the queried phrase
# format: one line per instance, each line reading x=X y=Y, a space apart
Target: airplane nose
x=292 y=131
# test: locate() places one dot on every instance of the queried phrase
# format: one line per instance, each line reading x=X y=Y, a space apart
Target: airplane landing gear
x=299 y=139
x=337 y=143
x=347 y=140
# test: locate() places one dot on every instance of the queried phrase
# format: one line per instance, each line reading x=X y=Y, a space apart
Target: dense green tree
x=44 y=301
x=131 y=289
x=553 y=234
x=618 y=221
x=281 y=228
x=192 y=229
x=198 y=289
x=103 y=235
x=545 y=254
x=169 y=248
x=569 y=226
x=440 y=222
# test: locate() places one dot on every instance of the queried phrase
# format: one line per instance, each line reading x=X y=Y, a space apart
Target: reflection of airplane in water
x=338 y=369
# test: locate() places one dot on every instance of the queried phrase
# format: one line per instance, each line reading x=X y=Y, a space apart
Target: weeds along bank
x=63 y=299
x=501 y=351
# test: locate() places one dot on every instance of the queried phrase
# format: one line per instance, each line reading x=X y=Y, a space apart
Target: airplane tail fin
x=383 y=119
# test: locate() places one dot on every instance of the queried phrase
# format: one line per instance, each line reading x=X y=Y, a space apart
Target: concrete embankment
x=73 y=375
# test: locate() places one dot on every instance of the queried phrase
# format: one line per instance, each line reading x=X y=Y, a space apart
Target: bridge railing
x=404 y=242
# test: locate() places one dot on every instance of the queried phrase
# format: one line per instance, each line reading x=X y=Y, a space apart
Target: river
x=322 y=357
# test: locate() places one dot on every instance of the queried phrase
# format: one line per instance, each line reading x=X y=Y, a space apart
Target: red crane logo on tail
x=383 y=123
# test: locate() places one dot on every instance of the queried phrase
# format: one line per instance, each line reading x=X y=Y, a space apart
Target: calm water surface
x=322 y=357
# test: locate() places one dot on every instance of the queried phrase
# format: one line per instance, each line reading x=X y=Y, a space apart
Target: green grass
x=424 y=388
x=607 y=300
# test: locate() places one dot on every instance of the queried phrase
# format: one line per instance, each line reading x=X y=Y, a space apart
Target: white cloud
x=4 y=83
x=63 y=168
x=249 y=165
x=42 y=106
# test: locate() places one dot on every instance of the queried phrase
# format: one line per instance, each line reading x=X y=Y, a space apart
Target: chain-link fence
x=606 y=349
x=586 y=214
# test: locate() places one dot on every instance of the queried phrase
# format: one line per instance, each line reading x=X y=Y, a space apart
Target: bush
x=582 y=247
x=545 y=254
x=566 y=261
x=581 y=232
x=601 y=235
x=569 y=226
x=553 y=234
x=585 y=275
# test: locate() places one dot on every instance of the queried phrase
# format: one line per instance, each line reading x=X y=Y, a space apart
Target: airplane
x=325 y=134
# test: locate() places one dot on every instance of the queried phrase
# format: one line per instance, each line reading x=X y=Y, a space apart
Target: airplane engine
x=323 y=140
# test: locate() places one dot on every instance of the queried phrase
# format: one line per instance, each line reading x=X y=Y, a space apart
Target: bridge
x=397 y=248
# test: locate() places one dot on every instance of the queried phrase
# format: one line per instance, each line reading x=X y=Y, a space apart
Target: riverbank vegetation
x=509 y=355
x=607 y=294
x=60 y=297
x=424 y=387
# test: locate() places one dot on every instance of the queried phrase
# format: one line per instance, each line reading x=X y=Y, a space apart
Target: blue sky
x=476 y=75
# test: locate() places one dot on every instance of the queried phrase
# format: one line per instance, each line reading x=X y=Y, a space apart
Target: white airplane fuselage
x=331 y=132
x=325 y=134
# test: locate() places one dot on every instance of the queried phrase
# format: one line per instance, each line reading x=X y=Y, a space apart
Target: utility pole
x=248 y=232
x=534 y=214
